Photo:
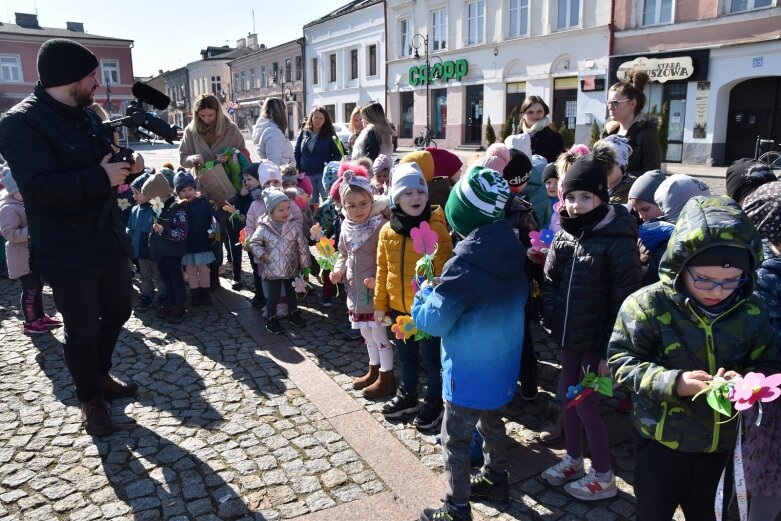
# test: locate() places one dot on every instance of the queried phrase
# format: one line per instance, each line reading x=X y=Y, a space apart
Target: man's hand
x=138 y=166
x=116 y=172
x=692 y=382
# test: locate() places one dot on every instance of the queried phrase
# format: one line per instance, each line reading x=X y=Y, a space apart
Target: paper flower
x=753 y=388
x=404 y=327
x=591 y=383
x=326 y=246
x=242 y=237
x=123 y=204
x=327 y=255
x=541 y=239
x=424 y=239
x=574 y=390
x=157 y=207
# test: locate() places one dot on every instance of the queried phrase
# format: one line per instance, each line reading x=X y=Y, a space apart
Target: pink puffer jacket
x=13 y=227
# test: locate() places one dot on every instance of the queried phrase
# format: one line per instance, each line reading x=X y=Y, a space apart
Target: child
x=237 y=209
x=139 y=227
x=13 y=227
x=357 y=266
x=167 y=245
x=471 y=308
x=699 y=321
x=614 y=152
x=592 y=265
x=380 y=174
x=396 y=258
x=762 y=443
x=550 y=176
x=301 y=193
x=242 y=204
x=328 y=217
x=279 y=246
x=200 y=223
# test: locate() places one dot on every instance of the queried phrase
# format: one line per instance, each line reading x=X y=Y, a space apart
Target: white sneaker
x=591 y=487
x=568 y=469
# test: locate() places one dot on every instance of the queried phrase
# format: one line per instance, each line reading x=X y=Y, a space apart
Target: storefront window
x=439 y=112
x=407 y=114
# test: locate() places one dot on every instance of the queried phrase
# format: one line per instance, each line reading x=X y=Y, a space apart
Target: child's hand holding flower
x=370 y=282
x=336 y=277
x=229 y=207
x=158 y=228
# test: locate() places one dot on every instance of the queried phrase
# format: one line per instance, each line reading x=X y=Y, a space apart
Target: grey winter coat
x=287 y=250
x=271 y=143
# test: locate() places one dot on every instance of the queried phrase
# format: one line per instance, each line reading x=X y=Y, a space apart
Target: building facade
x=345 y=59
x=19 y=45
x=269 y=72
x=486 y=56
x=177 y=87
x=211 y=75
x=716 y=65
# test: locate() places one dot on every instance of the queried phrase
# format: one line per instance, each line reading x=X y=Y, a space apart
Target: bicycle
x=771 y=158
x=425 y=139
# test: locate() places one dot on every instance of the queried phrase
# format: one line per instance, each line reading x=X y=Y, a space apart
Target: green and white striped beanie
x=478 y=198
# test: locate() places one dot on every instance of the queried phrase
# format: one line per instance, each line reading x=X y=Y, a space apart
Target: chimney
x=252 y=41
x=159 y=72
x=241 y=43
x=27 y=20
x=76 y=27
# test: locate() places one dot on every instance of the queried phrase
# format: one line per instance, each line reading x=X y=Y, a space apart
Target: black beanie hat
x=252 y=170
x=746 y=175
x=62 y=61
x=550 y=172
x=518 y=169
x=586 y=174
x=723 y=256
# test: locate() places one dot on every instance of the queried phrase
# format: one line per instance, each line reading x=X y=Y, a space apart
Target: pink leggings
x=197 y=276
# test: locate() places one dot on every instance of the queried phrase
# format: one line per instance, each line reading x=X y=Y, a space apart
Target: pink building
x=19 y=44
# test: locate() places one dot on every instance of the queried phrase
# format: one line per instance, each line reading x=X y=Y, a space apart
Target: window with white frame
x=405 y=37
x=252 y=84
x=216 y=84
x=315 y=78
x=519 y=18
x=475 y=22
x=288 y=69
x=263 y=77
x=567 y=14
x=299 y=72
x=737 y=6
x=332 y=64
x=10 y=69
x=439 y=30
x=236 y=84
x=353 y=64
x=657 y=12
x=110 y=71
x=372 y=60
x=242 y=82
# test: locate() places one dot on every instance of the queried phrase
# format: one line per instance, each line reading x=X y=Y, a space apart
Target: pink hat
x=496 y=157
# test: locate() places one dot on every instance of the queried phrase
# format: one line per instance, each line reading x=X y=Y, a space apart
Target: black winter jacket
x=587 y=279
x=54 y=152
x=172 y=242
x=199 y=222
x=643 y=137
x=547 y=143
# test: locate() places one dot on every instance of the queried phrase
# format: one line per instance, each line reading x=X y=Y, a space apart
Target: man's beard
x=83 y=98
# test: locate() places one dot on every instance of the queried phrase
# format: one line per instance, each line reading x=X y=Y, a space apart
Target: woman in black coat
x=545 y=141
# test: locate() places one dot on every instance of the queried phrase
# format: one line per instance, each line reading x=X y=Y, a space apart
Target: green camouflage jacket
x=659 y=334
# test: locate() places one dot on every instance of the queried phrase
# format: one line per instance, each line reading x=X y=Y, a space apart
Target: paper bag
x=214 y=182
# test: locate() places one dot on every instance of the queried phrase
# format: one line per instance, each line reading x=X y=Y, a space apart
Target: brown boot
x=113 y=387
x=96 y=418
x=367 y=379
x=384 y=386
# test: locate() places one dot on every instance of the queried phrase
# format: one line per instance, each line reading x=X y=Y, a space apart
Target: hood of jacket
x=706 y=222
x=498 y=238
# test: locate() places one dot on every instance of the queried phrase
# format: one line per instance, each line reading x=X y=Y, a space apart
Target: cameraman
x=60 y=156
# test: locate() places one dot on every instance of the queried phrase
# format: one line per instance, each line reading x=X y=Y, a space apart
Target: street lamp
x=223 y=99
x=422 y=41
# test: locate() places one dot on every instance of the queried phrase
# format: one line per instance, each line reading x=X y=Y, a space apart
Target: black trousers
x=31 y=300
x=171 y=272
x=94 y=309
x=275 y=291
x=666 y=478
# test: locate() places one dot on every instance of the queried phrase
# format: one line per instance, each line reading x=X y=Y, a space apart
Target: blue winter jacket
x=138 y=228
x=324 y=151
x=769 y=287
x=200 y=213
x=477 y=309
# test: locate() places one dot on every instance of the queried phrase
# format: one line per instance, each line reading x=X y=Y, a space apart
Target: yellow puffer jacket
x=396 y=260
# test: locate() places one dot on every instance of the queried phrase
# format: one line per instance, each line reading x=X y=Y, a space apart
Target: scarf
x=210 y=134
x=275 y=225
x=356 y=234
x=654 y=233
x=712 y=311
x=402 y=223
x=538 y=125
x=575 y=226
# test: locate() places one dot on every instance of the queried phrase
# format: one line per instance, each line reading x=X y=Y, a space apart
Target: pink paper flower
x=755 y=387
x=424 y=239
x=541 y=239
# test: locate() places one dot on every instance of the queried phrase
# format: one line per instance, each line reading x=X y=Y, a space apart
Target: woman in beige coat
x=209 y=133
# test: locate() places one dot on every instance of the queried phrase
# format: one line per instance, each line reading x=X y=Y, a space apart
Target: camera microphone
x=151 y=95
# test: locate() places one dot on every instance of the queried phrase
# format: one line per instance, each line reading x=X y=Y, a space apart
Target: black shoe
x=143 y=302
x=296 y=319
x=163 y=310
x=237 y=284
x=273 y=325
x=529 y=386
x=447 y=512
x=429 y=415
x=195 y=297
x=258 y=301
x=113 y=387
x=401 y=404
x=177 y=314
x=206 y=299
x=96 y=418
x=488 y=484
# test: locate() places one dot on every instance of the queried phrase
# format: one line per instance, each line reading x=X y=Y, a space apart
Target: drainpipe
x=611 y=29
x=385 y=51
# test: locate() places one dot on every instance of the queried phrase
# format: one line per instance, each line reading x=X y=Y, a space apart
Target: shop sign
x=659 y=69
x=449 y=70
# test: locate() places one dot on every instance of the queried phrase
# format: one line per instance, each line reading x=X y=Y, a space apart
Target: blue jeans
x=318 y=189
x=412 y=354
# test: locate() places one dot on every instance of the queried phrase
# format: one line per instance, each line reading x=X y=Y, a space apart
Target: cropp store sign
x=662 y=70
x=449 y=70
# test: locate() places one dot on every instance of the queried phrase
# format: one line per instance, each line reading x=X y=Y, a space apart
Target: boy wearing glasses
x=699 y=322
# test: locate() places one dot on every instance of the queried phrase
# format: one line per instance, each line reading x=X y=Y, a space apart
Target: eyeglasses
x=709 y=285
x=614 y=103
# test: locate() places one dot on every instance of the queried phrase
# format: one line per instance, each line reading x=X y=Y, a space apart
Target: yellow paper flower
x=404 y=327
x=326 y=247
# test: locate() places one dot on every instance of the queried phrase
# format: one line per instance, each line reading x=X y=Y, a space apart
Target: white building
x=487 y=56
x=345 y=58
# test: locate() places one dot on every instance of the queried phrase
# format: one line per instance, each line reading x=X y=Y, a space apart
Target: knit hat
x=9 y=182
x=550 y=172
x=406 y=176
x=518 y=169
x=763 y=208
x=384 y=162
x=267 y=171
x=446 y=163
x=521 y=143
x=169 y=175
x=290 y=178
x=62 y=61
x=746 y=175
x=156 y=186
x=621 y=147
x=674 y=192
x=496 y=157
x=252 y=169
x=183 y=180
x=424 y=160
x=349 y=179
x=139 y=181
x=586 y=174
x=330 y=173
x=305 y=184
x=477 y=198
x=272 y=197
x=724 y=256
x=645 y=186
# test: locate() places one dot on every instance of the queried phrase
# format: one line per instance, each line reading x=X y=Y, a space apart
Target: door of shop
x=754 y=110
x=474 y=115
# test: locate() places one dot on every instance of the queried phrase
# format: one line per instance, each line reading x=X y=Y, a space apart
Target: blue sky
x=170 y=33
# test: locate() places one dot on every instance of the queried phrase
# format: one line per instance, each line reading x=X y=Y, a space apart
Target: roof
x=53 y=32
x=353 y=6
x=297 y=41
x=230 y=54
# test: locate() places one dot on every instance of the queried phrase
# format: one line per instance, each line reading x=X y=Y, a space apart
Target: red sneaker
x=36 y=328
x=50 y=321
